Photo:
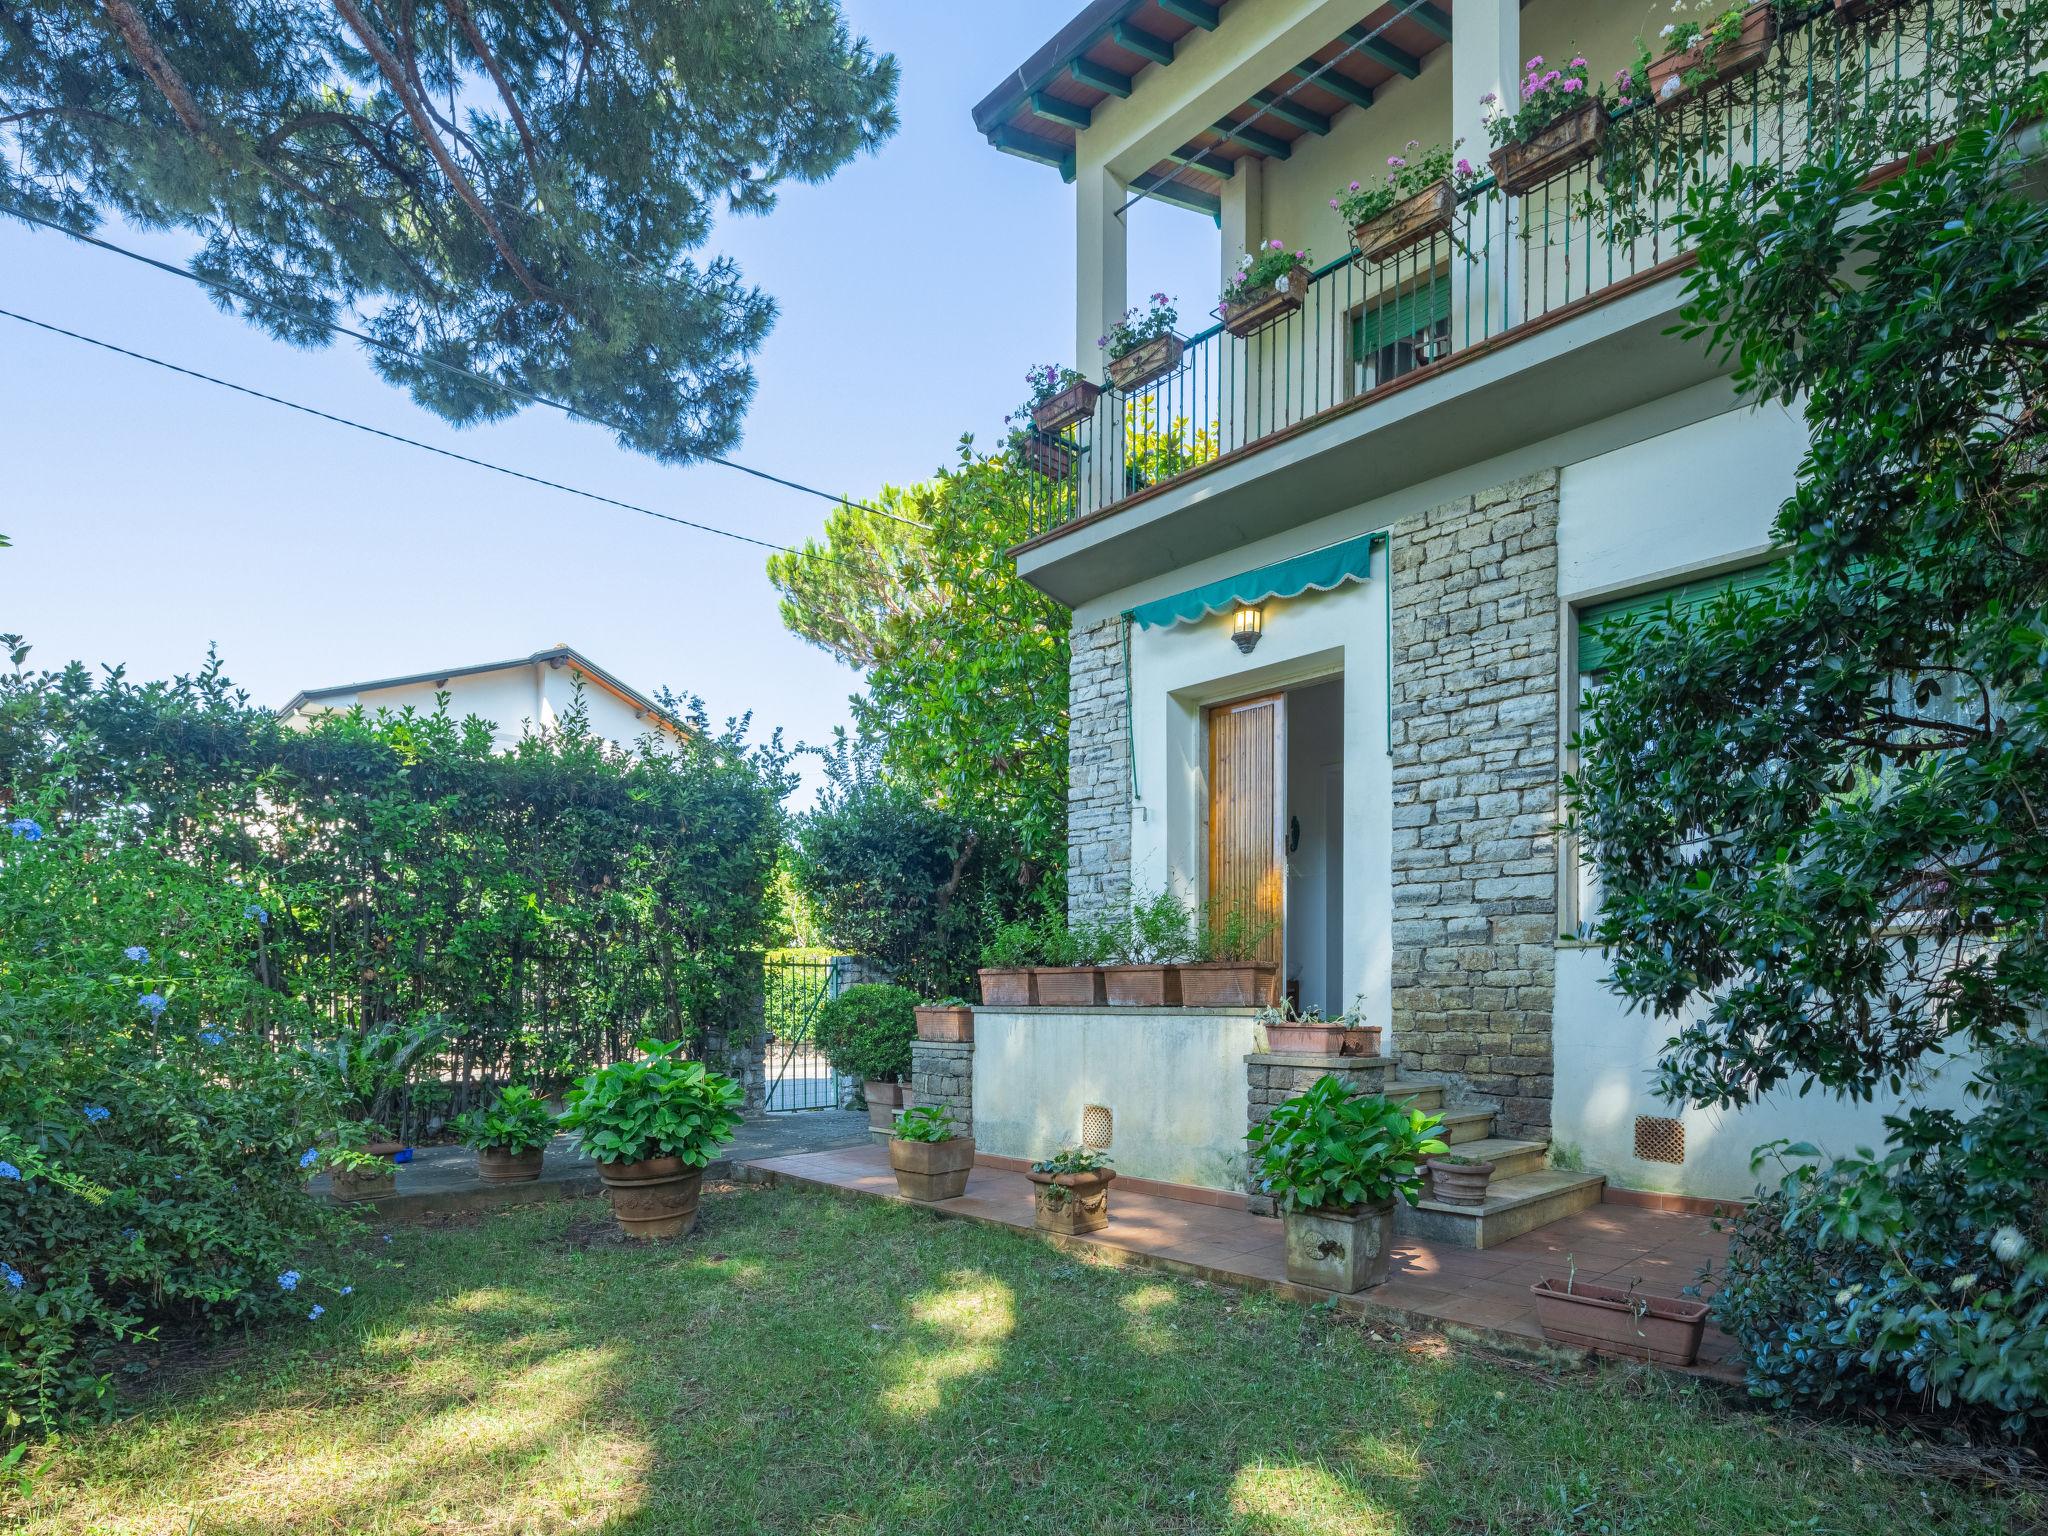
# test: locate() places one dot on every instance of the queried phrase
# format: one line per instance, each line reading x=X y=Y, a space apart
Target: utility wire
x=410 y=442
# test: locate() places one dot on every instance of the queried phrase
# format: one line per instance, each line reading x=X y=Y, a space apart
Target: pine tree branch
x=150 y=59
x=459 y=9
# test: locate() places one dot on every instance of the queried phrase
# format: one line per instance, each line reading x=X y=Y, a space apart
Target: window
x=1398 y=334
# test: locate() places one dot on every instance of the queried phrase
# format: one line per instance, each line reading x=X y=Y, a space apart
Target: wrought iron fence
x=794 y=989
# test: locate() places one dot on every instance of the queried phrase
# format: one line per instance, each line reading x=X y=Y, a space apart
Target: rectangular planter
x=1071 y=1203
x=1306 y=1039
x=1551 y=151
x=949 y=1025
x=1009 y=985
x=884 y=1099
x=1075 y=403
x=1743 y=56
x=1663 y=1329
x=931 y=1170
x=1142 y=986
x=1342 y=1251
x=1429 y=212
x=1148 y=361
x=1069 y=986
x=1230 y=984
x=1269 y=305
x=1047 y=456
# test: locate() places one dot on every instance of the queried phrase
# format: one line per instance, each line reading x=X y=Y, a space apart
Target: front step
x=1461 y=1126
x=1510 y=1158
x=1514 y=1205
x=1428 y=1097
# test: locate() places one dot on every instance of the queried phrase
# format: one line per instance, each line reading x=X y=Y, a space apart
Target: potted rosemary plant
x=1006 y=965
x=1227 y=971
x=1145 y=971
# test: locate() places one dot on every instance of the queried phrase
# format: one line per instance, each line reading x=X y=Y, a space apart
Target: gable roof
x=565 y=655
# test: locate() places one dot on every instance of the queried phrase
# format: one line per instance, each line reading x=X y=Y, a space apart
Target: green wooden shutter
x=1686 y=598
x=1396 y=320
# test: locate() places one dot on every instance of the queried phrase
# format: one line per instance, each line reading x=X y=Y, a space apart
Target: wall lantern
x=1249 y=624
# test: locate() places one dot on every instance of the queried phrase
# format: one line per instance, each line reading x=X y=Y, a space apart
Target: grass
x=820 y=1365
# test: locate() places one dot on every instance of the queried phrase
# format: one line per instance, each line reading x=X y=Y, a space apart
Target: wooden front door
x=1248 y=814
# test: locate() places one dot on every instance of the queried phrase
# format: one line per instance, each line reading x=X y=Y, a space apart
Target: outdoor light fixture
x=1249 y=624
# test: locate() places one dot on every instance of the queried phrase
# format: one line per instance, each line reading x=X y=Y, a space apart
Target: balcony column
x=1486 y=56
x=1244 y=213
x=1101 y=264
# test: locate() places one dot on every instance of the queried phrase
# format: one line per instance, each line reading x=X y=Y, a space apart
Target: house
x=1334 y=614
x=526 y=694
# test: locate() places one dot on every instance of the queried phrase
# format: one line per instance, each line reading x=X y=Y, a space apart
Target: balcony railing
x=1891 y=75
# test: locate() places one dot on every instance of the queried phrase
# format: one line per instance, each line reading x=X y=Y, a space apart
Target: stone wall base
x=942 y=1076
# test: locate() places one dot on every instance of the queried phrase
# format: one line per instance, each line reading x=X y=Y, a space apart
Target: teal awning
x=1317 y=571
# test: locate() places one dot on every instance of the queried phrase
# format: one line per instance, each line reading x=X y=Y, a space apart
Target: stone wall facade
x=1475 y=796
x=942 y=1076
x=1273 y=1077
x=1098 y=774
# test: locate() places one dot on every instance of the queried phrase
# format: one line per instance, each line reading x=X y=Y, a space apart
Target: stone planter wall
x=942 y=1076
x=1273 y=1077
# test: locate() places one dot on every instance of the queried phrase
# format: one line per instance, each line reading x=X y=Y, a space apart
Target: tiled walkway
x=1484 y=1295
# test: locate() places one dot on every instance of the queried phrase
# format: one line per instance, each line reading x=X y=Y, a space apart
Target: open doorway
x=1314 y=822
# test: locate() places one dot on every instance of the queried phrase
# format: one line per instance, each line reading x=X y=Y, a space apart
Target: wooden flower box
x=1269 y=305
x=1731 y=61
x=1664 y=1329
x=1551 y=151
x=1146 y=362
x=1075 y=403
x=1428 y=213
x=1046 y=456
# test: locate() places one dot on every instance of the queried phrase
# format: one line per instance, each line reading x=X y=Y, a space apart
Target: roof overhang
x=559 y=655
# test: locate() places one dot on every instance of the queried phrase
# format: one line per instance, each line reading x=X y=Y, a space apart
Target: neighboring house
x=1416 y=494
x=526 y=695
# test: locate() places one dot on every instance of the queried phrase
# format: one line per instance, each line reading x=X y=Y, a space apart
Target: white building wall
x=518 y=701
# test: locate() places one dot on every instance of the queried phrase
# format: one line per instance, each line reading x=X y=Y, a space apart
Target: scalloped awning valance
x=1317 y=571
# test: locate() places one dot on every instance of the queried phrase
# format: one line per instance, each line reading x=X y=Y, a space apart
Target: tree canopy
x=504 y=188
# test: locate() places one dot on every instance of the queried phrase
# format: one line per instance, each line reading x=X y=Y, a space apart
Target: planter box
x=1148 y=361
x=1142 y=986
x=1071 y=1203
x=952 y=1025
x=1429 y=212
x=1069 y=986
x=1458 y=1183
x=1047 y=456
x=656 y=1197
x=494 y=1165
x=1075 y=403
x=1007 y=985
x=1266 y=306
x=1341 y=1251
x=1230 y=984
x=1551 y=151
x=931 y=1170
x=884 y=1099
x=1856 y=10
x=1664 y=1329
x=372 y=1184
x=1306 y=1039
x=1743 y=56
x=1362 y=1040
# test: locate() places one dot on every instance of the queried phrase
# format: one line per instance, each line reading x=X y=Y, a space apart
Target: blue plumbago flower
x=138 y=953
x=9 y=1171
x=12 y=1276
x=209 y=1037
x=288 y=1281
x=314 y=1315
x=387 y=1237
x=252 y=911
x=128 y=1234
x=310 y=1157
x=95 y=1113
x=25 y=829
x=348 y=1290
x=154 y=1003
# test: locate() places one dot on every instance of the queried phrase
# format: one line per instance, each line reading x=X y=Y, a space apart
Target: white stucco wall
x=517 y=700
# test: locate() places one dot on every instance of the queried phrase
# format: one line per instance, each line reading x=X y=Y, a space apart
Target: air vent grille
x=1660 y=1139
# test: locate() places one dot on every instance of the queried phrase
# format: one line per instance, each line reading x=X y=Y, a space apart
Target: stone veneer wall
x=1273 y=1077
x=1475 y=796
x=942 y=1074
x=1098 y=774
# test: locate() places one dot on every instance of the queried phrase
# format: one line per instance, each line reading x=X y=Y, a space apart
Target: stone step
x=1462 y=1124
x=1513 y=1206
x=1510 y=1158
x=1429 y=1096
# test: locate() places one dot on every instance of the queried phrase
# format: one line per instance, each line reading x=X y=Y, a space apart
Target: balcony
x=1510 y=268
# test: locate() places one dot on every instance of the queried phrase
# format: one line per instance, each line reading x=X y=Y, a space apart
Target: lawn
x=813 y=1364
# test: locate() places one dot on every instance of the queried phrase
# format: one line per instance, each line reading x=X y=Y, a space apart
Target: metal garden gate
x=795 y=988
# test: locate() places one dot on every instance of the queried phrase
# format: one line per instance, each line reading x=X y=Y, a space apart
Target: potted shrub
x=1006 y=960
x=652 y=1124
x=1269 y=285
x=1060 y=398
x=948 y=1021
x=1459 y=1180
x=1227 y=971
x=1730 y=41
x=1417 y=199
x=1305 y=1032
x=1072 y=1196
x=931 y=1160
x=1146 y=971
x=1071 y=975
x=365 y=1075
x=1336 y=1164
x=1620 y=1320
x=510 y=1137
x=1142 y=346
x=865 y=1032
x=356 y=1167
x=1559 y=124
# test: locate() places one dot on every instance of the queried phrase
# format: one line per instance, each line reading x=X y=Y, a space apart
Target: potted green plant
x=1269 y=284
x=1145 y=971
x=950 y=1020
x=510 y=1136
x=1142 y=346
x=356 y=1167
x=1060 y=397
x=1072 y=1194
x=1724 y=43
x=1006 y=961
x=1227 y=971
x=1459 y=1180
x=1558 y=124
x=1360 y=1038
x=866 y=1032
x=652 y=1124
x=1418 y=198
x=1335 y=1164
x=930 y=1158
x=365 y=1075
x=1619 y=1320
x=1300 y=1031
x=1071 y=974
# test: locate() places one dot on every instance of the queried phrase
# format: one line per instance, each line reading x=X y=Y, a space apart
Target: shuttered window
x=1398 y=319
x=1686 y=598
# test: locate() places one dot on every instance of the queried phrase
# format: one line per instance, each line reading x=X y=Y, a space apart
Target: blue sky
x=152 y=515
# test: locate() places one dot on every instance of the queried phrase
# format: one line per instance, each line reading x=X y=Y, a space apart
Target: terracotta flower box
x=1047 y=456
x=929 y=1171
x=1071 y=1203
x=951 y=1024
x=1731 y=61
x=1261 y=307
x=1142 y=986
x=1856 y=10
x=1457 y=1183
x=1362 y=1040
x=1075 y=403
x=1306 y=1039
x=1551 y=151
x=1003 y=985
x=884 y=1100
x=1341 y=1251
x=1663 y=1329
x=1147 y=361
x=1230 y=984
x=1069 y=986
x=1429 y=212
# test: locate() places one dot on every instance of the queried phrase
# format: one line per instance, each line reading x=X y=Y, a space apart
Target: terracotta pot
x=656 y=1197
x=1147 y=361
x=494 y=1165
x=884 y=1100
x=1004 y=985
x=1082 y=1204
x=931 y=1170
x=1047 y=456
x=1341 y=1250
x=1306 y=1039
x=1075 y=403
x=1230 y=984
x=948 y=1024
x=1743 y=56
x=1362 y=1040
x=1458 y=1183
x=371 y=1184
x=1409 y=223
x=1550 y=151
x=1266 y=306
x=1069 y=986
x=383 y=1148
x=1142 y=986
x=1664 y=1329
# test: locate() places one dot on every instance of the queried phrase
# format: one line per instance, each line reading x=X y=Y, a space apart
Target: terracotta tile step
x=1513 y=1206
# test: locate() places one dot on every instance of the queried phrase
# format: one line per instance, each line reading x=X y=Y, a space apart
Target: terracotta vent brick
x=1098 y=1127
x=1659 y=1139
